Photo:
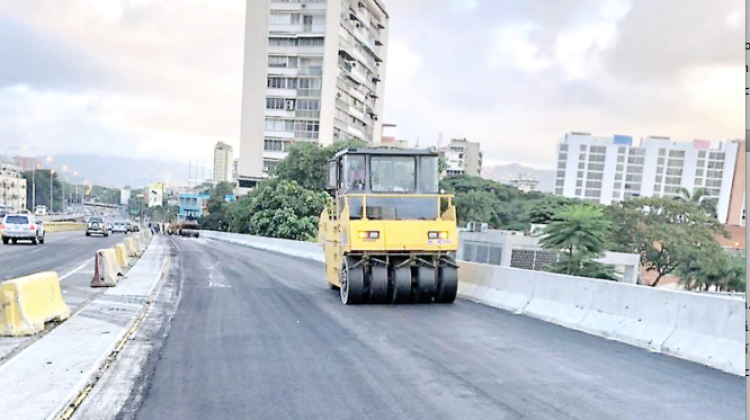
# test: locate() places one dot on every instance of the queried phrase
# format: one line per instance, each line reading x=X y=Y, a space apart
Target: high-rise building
x=609 y=169
x=223 y=162
x=314 y=71
x=12 y=188
x=737 y=199
x=463 y=157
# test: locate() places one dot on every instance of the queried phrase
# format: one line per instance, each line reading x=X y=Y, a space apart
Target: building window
x=716 y=155
x=621 y=158
x=559 y=182
x=675 y=162
x=658 y=178
x=618 y=177
x=635 y=160
x=580 y=174
x=596 y=166
x=579 y=183
x=269 y=165
x=282 y=61
x=563 y=147
x=593 y=193
x=714 y=174
x=583 y=147
x=582 y=156
x=677 y=153
x=660 y=161
x=662 y=152
x=699 y=172
x=273 y=145
x=594 y=184
x=558 y=191
x=715 y=165
x=618 y=185
x=275 y=103
x=561 y=174
x=621 y=149
x=595 y=175
x=578 y=191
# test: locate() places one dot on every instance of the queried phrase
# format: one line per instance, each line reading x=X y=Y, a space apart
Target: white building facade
x=525 y=182
x=314 y=71
x=12 y=188
x=610 y=169
x=463 y=157
x=223 y=162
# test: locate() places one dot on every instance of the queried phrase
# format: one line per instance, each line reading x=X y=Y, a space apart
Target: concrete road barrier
x=26 y=303
x=131 y=247
x=122 y=256
x=54 y=227
x=106 y=268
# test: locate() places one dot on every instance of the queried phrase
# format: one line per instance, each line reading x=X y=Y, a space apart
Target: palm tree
x=580 y=231
x=700 y=197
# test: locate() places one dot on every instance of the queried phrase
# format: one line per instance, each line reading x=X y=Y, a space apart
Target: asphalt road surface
x=260 y=335
x=70 y=254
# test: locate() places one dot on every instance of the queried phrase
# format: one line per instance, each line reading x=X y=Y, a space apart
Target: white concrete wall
x=705 y=329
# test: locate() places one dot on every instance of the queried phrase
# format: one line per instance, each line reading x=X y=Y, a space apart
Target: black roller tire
x=427 y=284
x=352 y=289
x=448 y=286
x=401 y=292
x=378 y=284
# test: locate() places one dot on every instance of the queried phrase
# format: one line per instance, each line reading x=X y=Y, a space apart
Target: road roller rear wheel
x=448 y=286
x=352 y=283
x=401 y=285
x=378 y=284
x=427 y=280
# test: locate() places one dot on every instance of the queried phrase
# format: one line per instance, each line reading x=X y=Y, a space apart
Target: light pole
x=64 y=170
x=33 y=185
x=51 y=184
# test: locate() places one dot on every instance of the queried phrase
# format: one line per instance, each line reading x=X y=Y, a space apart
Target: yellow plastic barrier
x=132 y=250
x=55 y=227
x=122 y=255
x=26 y=303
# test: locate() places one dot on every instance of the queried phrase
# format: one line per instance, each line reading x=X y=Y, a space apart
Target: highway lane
x=260 y=335
x=70 y=254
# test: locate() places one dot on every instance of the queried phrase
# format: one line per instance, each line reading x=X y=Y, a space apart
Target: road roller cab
x=389 y=236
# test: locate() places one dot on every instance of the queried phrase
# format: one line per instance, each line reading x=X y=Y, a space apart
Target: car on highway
x=21 y=227
x=40 y=210
x=97 y=226
x=119 y=227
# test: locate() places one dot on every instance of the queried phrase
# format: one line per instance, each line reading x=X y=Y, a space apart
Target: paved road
x=259 y=335
x=70 y=254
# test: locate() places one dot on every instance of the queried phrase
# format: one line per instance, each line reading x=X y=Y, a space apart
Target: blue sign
x=624 y=140
x=229 y=198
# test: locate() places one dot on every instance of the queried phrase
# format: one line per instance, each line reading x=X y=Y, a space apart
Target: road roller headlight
x=370 y=234
x=437 y=235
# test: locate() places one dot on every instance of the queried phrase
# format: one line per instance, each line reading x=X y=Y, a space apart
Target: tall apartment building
x=463 y=157
x=12 y=188
x=223 y=162
x=738 y=199
x=313 y=71
x=609 y=169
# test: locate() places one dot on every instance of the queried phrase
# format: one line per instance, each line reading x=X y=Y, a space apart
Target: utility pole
x=51 y=191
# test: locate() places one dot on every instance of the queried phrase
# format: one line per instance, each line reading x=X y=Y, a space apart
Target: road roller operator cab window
x=354 y=170
x=393 y=174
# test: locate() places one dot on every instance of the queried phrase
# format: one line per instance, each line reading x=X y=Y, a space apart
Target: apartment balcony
x=281 y=93
x=307 y=113
x=308 y=93
x=284 y=71
x=281 y=113
x=279 y=134
x=298 y=5
x=311 y=71
x=276 y=155
x=354 y=112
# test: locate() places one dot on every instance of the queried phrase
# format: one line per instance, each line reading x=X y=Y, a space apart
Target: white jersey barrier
x=706 y=329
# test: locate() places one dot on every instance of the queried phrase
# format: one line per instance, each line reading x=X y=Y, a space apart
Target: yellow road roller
x=388 y=234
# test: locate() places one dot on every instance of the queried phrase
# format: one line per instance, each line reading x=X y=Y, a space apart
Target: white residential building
x=524 y=182
x=463 y=157
x=12 y=188
x=314 y=71
x=223 y=162
x=609 y=169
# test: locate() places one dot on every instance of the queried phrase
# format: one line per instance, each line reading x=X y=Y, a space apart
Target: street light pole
x=51 y=191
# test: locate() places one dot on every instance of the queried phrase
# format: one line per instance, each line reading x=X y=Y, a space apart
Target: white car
x=119 y=227
x=21 y=227
x=41 y=211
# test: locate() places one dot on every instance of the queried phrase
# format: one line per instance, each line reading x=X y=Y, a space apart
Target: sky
x=161 y=79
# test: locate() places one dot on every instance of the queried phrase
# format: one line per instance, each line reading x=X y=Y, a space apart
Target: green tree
x=476 y=206
x=544 y=210
x=278 y=209
x=701 y=198
x=43 y=182
x=578 y=232
x=713 y=267
x=216 y=207
x=307 y=163
x=666 y=233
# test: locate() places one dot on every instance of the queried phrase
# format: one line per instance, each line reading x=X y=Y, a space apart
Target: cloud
x=154 y=78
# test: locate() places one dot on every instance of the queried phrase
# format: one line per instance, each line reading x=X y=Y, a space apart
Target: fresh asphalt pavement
x=70 y=254
x=260 y=335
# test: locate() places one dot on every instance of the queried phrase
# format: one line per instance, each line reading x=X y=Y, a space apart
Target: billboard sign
x=155 y=194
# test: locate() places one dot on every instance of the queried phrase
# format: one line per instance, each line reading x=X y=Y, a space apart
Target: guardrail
x=702 y=328
x=55 y=227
